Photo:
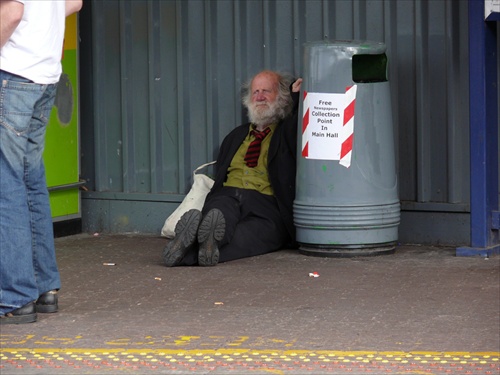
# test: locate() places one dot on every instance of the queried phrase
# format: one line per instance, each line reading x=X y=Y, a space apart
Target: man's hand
x=73 y=6
x=11 y=14
x=296 y=85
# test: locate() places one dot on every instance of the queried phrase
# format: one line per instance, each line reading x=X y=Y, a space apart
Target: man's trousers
x=254 y=225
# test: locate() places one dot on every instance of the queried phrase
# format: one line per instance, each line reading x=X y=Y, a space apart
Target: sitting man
x=249 y=210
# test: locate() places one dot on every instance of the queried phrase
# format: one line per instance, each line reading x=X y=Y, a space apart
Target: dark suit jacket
x=282 y=162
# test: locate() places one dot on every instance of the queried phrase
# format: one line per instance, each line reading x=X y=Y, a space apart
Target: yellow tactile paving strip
x=245 y=361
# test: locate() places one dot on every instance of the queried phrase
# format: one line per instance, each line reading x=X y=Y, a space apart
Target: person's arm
x=295 y=93
x=11 y=14
x=73 y=6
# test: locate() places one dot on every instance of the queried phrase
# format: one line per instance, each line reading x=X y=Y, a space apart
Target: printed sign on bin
x=328 y=125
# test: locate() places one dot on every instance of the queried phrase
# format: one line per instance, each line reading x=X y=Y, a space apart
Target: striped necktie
x=253 y=152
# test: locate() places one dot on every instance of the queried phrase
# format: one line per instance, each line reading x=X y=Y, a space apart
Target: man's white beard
x=264 y=114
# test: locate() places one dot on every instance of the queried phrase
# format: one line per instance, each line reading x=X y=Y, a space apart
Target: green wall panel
x=61 y=155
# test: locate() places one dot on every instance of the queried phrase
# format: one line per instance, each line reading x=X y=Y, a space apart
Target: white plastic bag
x=194 y=199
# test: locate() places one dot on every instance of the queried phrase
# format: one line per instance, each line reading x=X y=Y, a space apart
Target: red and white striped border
x=348 y=127
x=305 y=123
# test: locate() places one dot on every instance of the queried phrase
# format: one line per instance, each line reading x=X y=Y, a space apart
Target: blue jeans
x=28 y=265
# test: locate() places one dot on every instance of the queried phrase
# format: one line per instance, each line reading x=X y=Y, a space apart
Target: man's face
x=263 y=100
x=264 y=89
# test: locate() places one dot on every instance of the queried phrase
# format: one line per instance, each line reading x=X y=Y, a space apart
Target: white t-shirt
x=35 y=48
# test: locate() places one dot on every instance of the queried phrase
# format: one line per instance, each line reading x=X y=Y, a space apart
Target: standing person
x=249 y=210
x=31 y=37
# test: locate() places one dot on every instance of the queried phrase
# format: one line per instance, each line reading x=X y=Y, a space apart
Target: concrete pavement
x=420 y=310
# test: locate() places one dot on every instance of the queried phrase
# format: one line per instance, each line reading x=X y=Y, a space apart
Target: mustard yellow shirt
x=257 y=178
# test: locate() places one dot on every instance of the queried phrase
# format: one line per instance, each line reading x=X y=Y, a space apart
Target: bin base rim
x=347 y=251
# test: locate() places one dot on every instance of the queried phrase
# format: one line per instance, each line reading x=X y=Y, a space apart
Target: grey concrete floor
x=420 y=299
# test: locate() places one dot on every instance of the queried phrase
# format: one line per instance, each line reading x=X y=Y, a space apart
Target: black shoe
x=47 y=302
x=185 y=236
x=210 y=232
x=25 y=314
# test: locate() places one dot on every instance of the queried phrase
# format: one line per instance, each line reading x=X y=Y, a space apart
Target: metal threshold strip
x=67 y=186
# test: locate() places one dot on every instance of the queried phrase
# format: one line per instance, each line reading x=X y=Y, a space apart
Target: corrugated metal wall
x=162 y=87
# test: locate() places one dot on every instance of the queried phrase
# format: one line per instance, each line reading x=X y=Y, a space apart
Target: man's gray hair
x=284 y=100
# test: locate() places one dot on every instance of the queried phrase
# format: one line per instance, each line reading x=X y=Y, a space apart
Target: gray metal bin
x=347 y=195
